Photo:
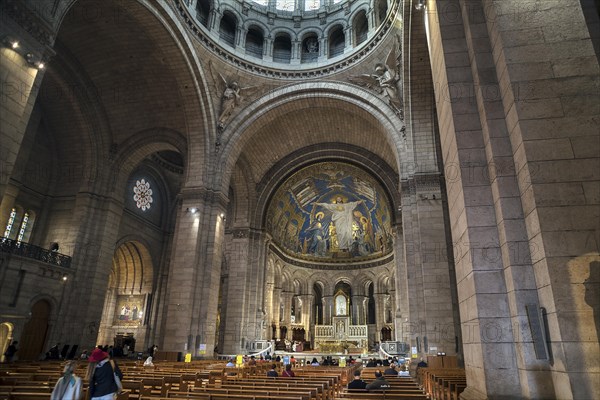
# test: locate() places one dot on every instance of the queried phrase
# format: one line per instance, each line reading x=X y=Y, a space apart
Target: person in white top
x=403 y=371
x=68 y=386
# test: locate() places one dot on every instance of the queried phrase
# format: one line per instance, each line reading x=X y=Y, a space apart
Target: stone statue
x=232 y=95
x=386 y=81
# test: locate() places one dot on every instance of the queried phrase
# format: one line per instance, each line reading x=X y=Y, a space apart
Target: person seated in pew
x=252 y=361
x=315 y=362
x=357 y=383
x=421 y=364
x=379 y=383
x=403 y=371
x=391 y=370
x=288 y=371
x=231 y=363
x=371 y=362
x=272 y=373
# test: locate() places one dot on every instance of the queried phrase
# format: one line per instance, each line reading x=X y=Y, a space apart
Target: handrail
x=23 y=249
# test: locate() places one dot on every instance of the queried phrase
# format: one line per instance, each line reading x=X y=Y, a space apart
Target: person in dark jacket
x=391 y=370
x=10 y=352
x=272 y=373
x=357 y=383
x=379 y=383
x=101 y=376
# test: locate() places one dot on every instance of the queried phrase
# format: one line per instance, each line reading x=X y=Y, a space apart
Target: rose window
x=142 y=194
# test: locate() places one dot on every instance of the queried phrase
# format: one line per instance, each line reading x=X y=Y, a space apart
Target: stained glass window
x=310 y=5
x=142 y=194
x=11 y=221
x=23 y=227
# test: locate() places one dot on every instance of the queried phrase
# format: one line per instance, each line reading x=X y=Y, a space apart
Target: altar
x=340 y=336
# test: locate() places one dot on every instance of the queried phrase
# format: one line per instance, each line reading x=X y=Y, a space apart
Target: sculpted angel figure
x=386 y=81
x=229 y=100
x=232 y=95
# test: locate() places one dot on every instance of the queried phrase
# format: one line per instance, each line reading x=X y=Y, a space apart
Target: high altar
x=341 y=336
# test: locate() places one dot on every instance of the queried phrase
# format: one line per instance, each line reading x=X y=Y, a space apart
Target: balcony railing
x=37 y=253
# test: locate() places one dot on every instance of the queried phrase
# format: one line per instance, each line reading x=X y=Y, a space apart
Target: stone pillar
x=327 y=310
x=348 y=31
x=358 y=309
x=20 y=81
x=240 y=38
x=194 y=275
x=92 y=245
x=213 y=17
x=276 y=318
x=268 y=49
x=379 y=312
x=287 y=311
x=307 y=314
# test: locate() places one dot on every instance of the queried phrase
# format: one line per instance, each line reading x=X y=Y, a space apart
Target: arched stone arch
x=242 y=184
x=258 y=24
x=171 y=38
x=338 y=23
x=142 y=144
x=252 y=118
x=283 y=31
x=308 y=30
x=377 y=167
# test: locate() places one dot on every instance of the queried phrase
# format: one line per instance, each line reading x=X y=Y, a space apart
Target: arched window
x=11 y=221
x=227 y=29
x=23 y=229
x=285 y=5
x=312 y=5
x=254 y=42
x=310 y=48
x=282 y=49
x=361 y=28
x=203 y=11
x=337 y=41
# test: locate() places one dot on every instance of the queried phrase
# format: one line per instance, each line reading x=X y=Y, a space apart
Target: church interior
x=416 y=178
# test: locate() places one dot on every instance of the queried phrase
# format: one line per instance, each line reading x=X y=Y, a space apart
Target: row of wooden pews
x=403 y=388
x=444 y=383
x=208 y=379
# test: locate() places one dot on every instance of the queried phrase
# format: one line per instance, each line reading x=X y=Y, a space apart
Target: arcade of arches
x=208 y=175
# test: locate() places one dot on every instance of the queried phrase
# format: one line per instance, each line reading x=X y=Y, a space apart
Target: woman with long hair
x=103 y=375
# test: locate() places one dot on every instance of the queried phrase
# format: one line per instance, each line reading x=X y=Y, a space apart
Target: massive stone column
x=91 y=242
x=194 y=274
x=516 y=133
x=21 y=78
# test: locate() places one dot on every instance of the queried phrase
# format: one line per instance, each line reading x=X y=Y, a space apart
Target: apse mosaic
x=331 y=210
